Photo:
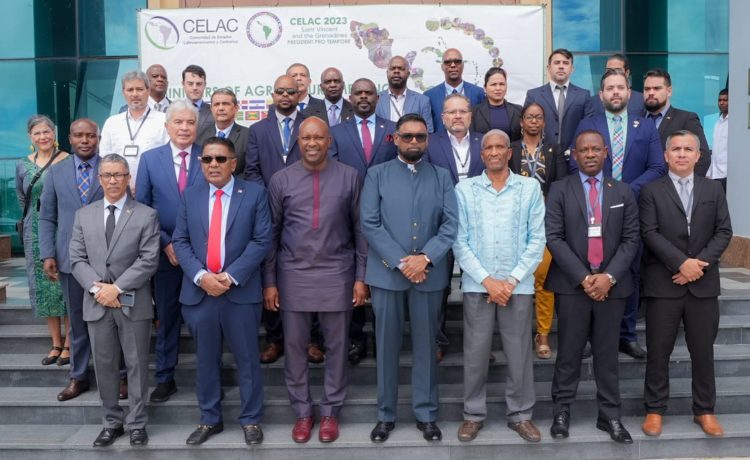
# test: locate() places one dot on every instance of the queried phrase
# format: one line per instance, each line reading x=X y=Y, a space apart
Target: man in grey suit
x=224 y=108
x=398 y=100
x=70 y=185
x=408 y=214
x=114 y=252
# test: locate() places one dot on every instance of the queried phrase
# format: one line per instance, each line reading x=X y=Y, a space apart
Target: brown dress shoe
x=123 y=389
x=314 y=354
x=74 y=388
x=469 y=430
x=526 y=430
x=271 y=353
x=709 y=424
x=652 y=425
x=439 y=355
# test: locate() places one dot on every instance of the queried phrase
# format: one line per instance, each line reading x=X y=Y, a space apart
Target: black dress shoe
x=138 y=437
x=74 y=388
x=560 y=425
x=356 y=353
x=632 y=349
x=586 y=351
x=162 y=392
x=108 y=436
x=430 y=431
x=381 y=431
x=616 y=430
x=202 y=433
x=253 y=434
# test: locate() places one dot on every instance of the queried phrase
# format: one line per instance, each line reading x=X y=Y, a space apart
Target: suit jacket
x=436 y=94
x=205 y=116
x=414 y=103
x=667 y=242
x=247 y=239
x=317 y=108
x=129 y=262
x=405 y=213
x=156 y=187
x=675 y=120
x=555 y=163
x=263 y=156
x=566 y=226
x=440 y=153
x=644 y=157
x=577 y=107
x=635 y=103
x=480 y=119
x=238 y=135
x=58 y=204
x=347 y=148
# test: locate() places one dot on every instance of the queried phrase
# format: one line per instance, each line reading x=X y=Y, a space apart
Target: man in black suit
x=301 y=74
x=686 y=227
x=224 y=109
x=657 y=92
x=194 y=85
x=334 y=108
x=592 y=233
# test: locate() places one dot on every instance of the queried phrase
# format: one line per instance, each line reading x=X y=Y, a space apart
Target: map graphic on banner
x=246 y=49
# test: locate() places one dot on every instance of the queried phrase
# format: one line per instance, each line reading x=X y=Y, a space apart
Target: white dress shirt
x=720 y=151
x=177 y=159
x=226 y=199
x=397 y=105
x=461 y=155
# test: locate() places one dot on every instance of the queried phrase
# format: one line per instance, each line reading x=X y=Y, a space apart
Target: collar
x=176 y=150
x=397 y=97
x=145 y=114
x=552 y=86
x=227 y=189
x=723 y=117
x=280 y=117
x=584 y=177
x=91 y=161
x=119 y=204
x=485 y=181
x=675 y=178
x=305 y=101
x=152 y=101
x=198 y=103
x=412 y=167
x=663 y=111
x=611 y=116
x=227 y=130
x=449 y=89
x=370 y=119
x=339 y=104
x=454 y=140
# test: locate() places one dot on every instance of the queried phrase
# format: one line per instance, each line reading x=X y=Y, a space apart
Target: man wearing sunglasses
x=223 y=233
x=334 y=108
x=453 y=69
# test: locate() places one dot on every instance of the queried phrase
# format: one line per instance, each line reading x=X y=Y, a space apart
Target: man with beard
x=398 y=100
x=362 y=142
x=301 y=75
x=334 y=108
x=453 y=69
x=409 y=217
x=316 y=265
x=635 y=102
x=635 y=158
x=657 y=91
x=158 y=84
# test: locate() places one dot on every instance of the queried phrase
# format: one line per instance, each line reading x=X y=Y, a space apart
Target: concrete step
x=681 y=438
x=37 y=405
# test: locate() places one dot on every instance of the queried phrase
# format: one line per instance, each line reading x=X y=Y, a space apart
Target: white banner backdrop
x=246 y=49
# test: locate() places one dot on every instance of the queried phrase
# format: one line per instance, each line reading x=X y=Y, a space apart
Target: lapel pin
x=636 y=123
x=240 y=190
x=609 y=184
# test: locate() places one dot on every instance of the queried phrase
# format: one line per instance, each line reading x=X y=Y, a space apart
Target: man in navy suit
x=68 y=186
x=453 y=68
x=564 y=103
x=194 y=85
x=362 y=142
x=334 y=108
x=163 y=175
x=398 y=100
x=636 y=158
x=635 y=103
x=222 y=235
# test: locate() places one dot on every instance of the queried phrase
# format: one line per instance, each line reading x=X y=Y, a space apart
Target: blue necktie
x=302 y=106
x=287 y=133
x=221 y=134
x=84 y=181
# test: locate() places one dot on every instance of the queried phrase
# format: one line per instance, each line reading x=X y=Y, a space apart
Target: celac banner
x=246 y=49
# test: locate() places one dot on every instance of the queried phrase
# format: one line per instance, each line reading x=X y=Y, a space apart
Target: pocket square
x=617 y=206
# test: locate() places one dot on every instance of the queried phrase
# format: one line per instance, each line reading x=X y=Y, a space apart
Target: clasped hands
x=107 y=295
x=597 y=286
x=690 y=270
x=498 y=291
x=414 y=268
x=215 y=284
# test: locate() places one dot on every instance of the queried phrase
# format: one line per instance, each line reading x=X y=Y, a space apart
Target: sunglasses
x=408 y=137
x=289 y=91
x=207 y=159
x=449 y=62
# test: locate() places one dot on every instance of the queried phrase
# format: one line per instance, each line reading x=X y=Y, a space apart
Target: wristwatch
x=429 y=262
x=513 y=282
x=612 y=279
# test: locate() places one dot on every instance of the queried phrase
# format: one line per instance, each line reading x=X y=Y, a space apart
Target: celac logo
x=162 y=33
x=263 y=29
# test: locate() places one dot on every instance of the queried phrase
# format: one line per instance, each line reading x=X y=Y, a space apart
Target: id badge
x=130 y=151
x=595 y=230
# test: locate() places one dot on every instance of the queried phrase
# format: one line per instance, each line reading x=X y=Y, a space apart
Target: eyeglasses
x=457 y=112
x=207 y=159
x=110 y=176
x=450 y=62
x=289 y=91
x=408 y=137
x=533 y=117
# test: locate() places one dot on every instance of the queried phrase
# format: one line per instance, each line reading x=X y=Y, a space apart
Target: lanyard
x=589 y=209
x=394 y=104
x=461 y=162
x=130 y=132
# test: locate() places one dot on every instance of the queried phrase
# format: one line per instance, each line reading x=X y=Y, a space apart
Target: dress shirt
x=177 y=159
x=305 y=102
x=556 y=92
x=461 y=154
x=226 y=199
x=92 y=162
x=449 y=89
x=500 y=234
x=280 y=124
x=119 y=204
x=658 y=120
x=225 y=131
x=370 y=125
x=339 y=104
x=720 y=151
x=197 y=103
x=163 y=104
x=611 y=127
x=587 y=187
x=397 y=105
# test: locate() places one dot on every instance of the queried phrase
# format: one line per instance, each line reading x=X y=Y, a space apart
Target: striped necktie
x=618 y=148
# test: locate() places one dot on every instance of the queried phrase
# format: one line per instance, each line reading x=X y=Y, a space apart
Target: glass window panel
x=697 y=80
x=698 y=25
x=586 y=25
x=100 y=94
x=19 y=96
x=109 y=27
x=13 y=26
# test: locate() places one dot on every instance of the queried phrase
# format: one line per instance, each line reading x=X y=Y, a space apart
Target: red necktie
x=596 y=245
x=182 y=178
x=366 y=141
x=213 y=257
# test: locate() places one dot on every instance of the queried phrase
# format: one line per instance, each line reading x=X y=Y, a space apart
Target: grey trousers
x=514 y=322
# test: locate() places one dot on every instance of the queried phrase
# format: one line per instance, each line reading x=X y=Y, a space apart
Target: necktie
x=213 y=256
x=560 y=108
x=656 y=117
x=618 y=148
x=685 y=195
x=596 y=245
x=109 y=228
x=221 y=135
x=182 y=179
x=84 y=179
x=287 y=134
x=301 y=106
x=366 y=141
x=333 y=118
x=157 y=107
x=455 y=91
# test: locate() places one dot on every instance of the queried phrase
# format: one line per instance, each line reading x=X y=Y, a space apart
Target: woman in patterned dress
x=45 y=295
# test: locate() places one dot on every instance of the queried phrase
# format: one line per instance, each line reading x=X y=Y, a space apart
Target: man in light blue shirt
x=500 y=242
